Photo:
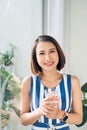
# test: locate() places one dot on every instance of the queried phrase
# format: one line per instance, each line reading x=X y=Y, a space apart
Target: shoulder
x=74 y=79
x=75 y=82
x=26 y=83
x=26 y=80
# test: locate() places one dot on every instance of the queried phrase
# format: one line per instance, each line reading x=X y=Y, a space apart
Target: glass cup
x=50 y=93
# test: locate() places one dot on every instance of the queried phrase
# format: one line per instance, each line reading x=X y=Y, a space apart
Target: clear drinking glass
x=50 y=92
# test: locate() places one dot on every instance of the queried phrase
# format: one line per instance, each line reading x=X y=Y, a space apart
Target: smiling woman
x=22 y=21
x=46 y=55
x=52 y=111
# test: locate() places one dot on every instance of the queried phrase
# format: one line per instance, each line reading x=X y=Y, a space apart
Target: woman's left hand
x=52 y=109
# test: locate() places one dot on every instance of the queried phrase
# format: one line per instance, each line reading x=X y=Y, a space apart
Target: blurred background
x=21 y=21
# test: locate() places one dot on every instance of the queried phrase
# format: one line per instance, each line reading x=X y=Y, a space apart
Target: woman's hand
x=50 y=107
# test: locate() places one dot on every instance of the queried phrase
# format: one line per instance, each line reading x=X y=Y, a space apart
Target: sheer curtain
x=56 y=22
x=53 y=18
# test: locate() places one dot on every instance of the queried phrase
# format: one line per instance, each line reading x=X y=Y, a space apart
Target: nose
x=47 y=57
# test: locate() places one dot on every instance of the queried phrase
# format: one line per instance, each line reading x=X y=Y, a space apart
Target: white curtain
x=56 y=22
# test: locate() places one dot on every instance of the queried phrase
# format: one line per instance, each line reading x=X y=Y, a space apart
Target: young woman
x=52 y=111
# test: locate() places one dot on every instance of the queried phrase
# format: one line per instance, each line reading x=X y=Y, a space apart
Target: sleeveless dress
x=37 y=93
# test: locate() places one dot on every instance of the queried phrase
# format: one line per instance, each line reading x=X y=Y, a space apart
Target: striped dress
x=37 y=93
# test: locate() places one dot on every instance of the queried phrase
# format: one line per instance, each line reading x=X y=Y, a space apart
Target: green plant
x=84 y=104
x=6 y=58
x=9 y=90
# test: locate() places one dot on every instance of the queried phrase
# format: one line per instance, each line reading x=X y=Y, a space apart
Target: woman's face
x=47 y=55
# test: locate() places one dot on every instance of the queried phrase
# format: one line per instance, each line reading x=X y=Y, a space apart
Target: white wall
x=79 y=43
x=79 y=39
x=20 y=24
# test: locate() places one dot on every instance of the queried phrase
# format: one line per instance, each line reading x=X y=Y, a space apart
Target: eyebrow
x=52 y=49
x=49 y=50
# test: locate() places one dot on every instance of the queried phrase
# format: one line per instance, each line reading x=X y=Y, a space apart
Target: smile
x=49 y=63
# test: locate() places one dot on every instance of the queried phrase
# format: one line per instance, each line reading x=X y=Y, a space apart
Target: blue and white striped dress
x=37 y=93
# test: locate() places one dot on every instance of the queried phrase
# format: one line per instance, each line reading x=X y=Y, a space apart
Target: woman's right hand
x=49 y=106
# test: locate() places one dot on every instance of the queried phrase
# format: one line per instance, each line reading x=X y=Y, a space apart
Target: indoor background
x=21 y=21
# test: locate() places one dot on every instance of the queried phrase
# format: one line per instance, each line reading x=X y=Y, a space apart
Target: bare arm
x=76 y=116
x=26 y=116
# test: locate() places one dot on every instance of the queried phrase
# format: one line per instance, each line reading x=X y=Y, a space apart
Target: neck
x=50 y=76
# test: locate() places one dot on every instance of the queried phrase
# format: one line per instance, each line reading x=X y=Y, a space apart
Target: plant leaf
x=8 y=95
x=84 y=88
x=84 y=116
x=17 y=111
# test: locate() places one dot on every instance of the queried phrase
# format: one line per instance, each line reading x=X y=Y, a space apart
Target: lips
x=49 y=63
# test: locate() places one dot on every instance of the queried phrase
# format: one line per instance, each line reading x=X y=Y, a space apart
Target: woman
x=50 y=112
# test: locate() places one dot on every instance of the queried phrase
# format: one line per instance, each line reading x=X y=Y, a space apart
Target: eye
x=41 y=53
x=52 y=51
